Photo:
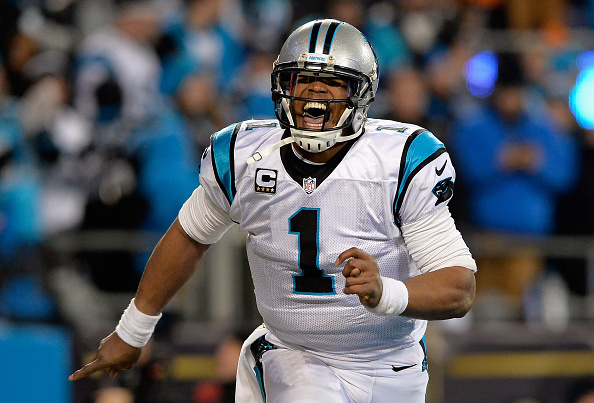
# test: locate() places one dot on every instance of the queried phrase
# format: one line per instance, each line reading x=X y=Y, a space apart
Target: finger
x=351 y=265
x=352 y=281
x=359 y=289
x=113 y=372
x=355 y=272
x=88 y=369
x=349 y=253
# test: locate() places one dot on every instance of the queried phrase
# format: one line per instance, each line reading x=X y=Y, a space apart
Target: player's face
x=321 y=115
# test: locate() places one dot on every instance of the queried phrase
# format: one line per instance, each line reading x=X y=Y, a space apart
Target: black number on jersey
x=305 y=223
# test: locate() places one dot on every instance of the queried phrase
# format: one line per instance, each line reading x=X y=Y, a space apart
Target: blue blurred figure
x=516 y=163
x=198 y=33
x=20 y=187
x=120 y=54
x=22 y=296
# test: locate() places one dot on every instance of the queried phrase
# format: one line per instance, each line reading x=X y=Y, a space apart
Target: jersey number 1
x=305 y=224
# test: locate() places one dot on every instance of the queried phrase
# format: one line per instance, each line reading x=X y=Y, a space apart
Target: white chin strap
x=261 y=154
x=314 y=143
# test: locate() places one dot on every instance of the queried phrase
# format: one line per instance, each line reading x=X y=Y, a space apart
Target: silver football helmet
x=323 y=81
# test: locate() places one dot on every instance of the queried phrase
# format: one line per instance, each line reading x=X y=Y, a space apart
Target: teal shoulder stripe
x=222 y=149
x=421 y=148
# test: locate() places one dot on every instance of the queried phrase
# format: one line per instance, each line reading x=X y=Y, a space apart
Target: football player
x=350 y=241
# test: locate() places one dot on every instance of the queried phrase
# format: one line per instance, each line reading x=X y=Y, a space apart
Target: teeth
x=316 y=105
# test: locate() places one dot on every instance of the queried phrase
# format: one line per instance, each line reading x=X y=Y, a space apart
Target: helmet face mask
x=312 y=101
x=323 y=81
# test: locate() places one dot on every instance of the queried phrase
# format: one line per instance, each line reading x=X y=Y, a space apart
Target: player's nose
x=318 y=86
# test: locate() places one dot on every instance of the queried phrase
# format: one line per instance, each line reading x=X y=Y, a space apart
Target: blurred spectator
x=20 y=48
x=222 y=388
x=22 y=292
x=117 y=78
x=60 y=136
x=141 y=147
x=581 y=200
x=252 y=95
x=20 y=187
x=409 y=98
x=427 y=25
x=378 y=23
x=546 y=15
x=142 y=164
x=199 y=34
x=515 y=163
x=550 y=72
x=444 y=78
x=147 y=380
x=167 y=159
x=196 y=100
x=114 y=394
x=266 y=23
x=119 y=62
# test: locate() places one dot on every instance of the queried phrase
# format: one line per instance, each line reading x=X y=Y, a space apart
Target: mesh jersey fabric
x=296 y=229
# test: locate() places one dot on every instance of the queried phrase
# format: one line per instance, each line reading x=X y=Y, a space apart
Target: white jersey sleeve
x=426 y=178
x=206 y=215
x=426 y=185
x=217 y=169
x=202 y=220
x=434 y=243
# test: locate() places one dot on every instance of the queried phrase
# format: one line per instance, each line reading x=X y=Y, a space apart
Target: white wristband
x=394 y=298
x=135 y=327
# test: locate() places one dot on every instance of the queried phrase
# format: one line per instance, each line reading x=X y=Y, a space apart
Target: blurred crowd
x=107 y=105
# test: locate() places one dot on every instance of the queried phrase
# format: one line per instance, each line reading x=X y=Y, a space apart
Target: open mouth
x=314 y=114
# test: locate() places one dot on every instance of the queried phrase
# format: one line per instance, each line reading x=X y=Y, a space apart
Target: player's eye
x=305 y=79
x=334 y=82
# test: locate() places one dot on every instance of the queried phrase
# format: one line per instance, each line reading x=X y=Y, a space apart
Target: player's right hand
x=112 y=356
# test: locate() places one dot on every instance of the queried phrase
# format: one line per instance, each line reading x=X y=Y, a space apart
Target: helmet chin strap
x=342 y=139
x=261 y=154
x=296 y=133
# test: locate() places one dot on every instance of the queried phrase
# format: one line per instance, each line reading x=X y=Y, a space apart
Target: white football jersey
x=299 y=217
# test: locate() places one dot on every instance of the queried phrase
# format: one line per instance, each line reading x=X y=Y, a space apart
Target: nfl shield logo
x=309 y=184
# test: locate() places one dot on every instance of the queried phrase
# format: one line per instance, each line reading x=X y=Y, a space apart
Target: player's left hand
x=362 y=276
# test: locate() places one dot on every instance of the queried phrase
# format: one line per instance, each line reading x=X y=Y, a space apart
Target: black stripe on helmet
x=329 y=37
x=314 y=37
